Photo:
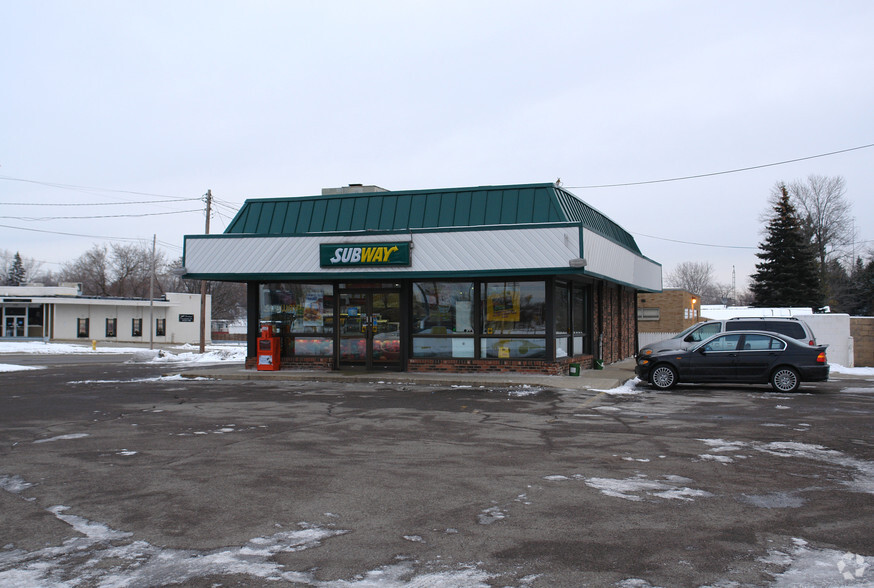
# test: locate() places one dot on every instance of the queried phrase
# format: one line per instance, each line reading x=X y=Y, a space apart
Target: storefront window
x=561 y=309
x=513 y=348
x=441 y=308
x=581 y=312
x=443 y=319
x=511 y=308
x=302 y=314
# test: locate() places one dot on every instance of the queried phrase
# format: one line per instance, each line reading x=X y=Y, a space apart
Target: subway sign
x=364 y=254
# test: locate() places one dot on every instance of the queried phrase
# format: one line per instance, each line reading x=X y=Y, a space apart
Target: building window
x=82 y=328
x=581 y=317
x=443 y=319
x=648 y=314
x=511 y=312
x=303 y=315
x=111 y=327
x=160 y=327
x=136 y=329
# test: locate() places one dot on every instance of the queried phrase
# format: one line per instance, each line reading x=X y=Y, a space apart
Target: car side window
x=759 y=343
x=793 y=330
x=704 y=332
x=724 y=343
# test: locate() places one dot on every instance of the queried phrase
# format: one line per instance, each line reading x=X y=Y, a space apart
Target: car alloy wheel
x=663 y=377
x=785 y=379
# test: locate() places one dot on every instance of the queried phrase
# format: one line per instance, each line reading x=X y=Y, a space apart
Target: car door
x=757 y=354
x=714 y=361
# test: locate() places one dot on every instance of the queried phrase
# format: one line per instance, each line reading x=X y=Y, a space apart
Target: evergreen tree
x=788 y=274
x=16 y=276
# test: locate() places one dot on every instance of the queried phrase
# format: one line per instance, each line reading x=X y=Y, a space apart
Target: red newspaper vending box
x=268 y=350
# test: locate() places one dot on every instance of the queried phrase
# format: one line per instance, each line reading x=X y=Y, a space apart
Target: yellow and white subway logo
x=364 y=254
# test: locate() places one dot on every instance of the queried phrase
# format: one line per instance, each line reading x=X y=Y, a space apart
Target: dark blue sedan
x=739 y=357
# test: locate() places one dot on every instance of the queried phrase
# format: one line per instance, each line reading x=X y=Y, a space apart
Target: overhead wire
x=720 y=173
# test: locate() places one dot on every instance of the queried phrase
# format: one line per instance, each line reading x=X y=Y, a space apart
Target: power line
x=75 y=187
x=720 y=173
x=92 y=203
x=45 y=218
x=694 y=243
x=74 y=234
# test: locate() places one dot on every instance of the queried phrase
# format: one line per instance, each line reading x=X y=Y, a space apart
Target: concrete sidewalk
x=612 y=376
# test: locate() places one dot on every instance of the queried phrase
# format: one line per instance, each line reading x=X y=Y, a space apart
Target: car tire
x=785 y=379
x=663 y=377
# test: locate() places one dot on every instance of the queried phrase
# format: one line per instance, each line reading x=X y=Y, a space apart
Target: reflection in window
x=160 y=327
x=442 y=308
x=303 y=316
x=514 y=308
x=562 y=309
x=82 y=327
x=111 y=327
x=515 y=348
x=136 y=328
x=724 y=343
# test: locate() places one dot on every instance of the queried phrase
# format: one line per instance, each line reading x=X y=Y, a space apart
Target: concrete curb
x=610 y=377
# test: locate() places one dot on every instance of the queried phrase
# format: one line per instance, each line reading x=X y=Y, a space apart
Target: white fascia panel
x=610 y=260
x=439 y=251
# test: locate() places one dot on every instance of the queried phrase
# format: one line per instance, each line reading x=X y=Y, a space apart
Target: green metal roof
x=423 y=209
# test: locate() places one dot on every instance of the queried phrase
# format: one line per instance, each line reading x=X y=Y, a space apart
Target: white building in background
x=61 y=313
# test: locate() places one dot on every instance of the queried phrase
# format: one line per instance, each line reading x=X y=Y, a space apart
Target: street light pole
x=152 y=297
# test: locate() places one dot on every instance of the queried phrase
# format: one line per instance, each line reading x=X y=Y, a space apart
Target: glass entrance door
x=370 y=329
x=14 y=326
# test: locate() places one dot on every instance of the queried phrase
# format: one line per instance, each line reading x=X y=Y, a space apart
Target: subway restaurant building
x=524 y=278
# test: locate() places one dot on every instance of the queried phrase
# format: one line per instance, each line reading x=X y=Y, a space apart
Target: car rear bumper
x=817 y=373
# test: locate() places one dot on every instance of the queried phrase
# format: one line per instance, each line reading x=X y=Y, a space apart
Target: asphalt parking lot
x=113 y=474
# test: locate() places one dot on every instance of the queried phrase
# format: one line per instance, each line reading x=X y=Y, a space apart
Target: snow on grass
x=179 y=353
x=836 y=368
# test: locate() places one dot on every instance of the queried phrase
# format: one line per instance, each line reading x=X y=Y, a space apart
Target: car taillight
x=811 y=342
x=821 y=357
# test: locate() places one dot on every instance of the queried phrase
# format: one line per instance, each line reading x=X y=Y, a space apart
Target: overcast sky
x=162 y=100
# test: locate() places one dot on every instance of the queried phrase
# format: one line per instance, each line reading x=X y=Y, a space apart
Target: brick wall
x=560 y=367
x=619 y=325
x=673 y=307
x=862 y=332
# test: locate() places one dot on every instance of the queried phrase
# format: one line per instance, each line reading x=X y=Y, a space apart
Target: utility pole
x=152 y=297
x=208 y=198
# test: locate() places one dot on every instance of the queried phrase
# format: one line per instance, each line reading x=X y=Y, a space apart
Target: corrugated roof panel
x=402 y=212
x=374 y=208
x=509 y=204
x=493 y=207
x=252 y=220
x=291 y=216
x=447 y=210
x=344 y=217
x=359 y=214
x=304 y=216
x=317 y=222
x=277 y=220
x=525 y=207
x=387 y=215
x=432 y=210
x=462 y=209
x=418 y=204
x=332 y=213
x=477 y=214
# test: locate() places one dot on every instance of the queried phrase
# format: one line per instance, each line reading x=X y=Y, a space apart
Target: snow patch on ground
x=862 y=482
x=806 y=566
x=62 y=437
x=8 y=367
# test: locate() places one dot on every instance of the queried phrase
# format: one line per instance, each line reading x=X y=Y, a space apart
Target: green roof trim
x=423 y=209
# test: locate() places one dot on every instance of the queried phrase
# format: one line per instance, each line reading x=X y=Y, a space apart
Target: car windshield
x=685 y=332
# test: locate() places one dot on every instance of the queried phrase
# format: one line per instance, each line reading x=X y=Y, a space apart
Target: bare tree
x=693 y=276
x=92 y=270
x=826 y=213
x=228 y=298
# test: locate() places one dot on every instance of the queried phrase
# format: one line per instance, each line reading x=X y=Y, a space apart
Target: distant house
x=670 y=311
x=61 y=313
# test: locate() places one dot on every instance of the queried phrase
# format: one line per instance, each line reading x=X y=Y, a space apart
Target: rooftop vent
x=352 y=189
